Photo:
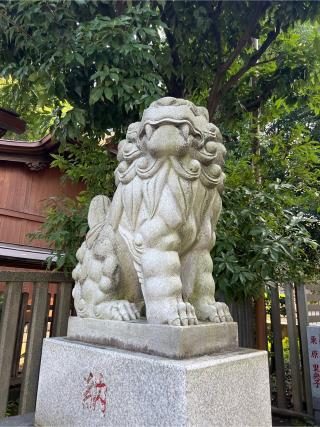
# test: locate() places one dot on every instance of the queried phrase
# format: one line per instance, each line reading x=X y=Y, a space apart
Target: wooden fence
x=25 y=320
x=244 y=314
x=293 y=307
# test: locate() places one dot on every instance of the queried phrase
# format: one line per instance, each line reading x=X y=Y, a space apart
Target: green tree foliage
x=102 y=64
x=211 y=49
x=260 y=242
x=86 y=67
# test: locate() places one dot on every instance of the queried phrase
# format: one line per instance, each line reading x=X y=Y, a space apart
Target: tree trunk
x=256 y=152
x=255 y=147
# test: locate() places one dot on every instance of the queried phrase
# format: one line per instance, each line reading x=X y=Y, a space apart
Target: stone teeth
x=149 y=130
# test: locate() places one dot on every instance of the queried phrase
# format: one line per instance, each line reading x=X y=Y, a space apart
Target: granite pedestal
x=177 y=342
x=83 y=384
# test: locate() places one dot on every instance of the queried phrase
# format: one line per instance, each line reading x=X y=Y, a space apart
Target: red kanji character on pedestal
x=94 y=395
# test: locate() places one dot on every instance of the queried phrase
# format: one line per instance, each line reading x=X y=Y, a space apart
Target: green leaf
x=79 y=58
x=108 y=93
x=95 y=95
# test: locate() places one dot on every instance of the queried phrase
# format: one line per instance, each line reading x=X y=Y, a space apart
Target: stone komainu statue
x=152 y=243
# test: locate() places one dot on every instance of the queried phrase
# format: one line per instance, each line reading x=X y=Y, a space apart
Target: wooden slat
x=303 y=323
x=30 y=190
x=23 y=215
x=278 y=349
x=53 y=308
x=313 y=319
x=19 y=335
x=33 y=276
x=8 y=328
x=293 y=343
x=314 y=287
x=245 y=320
x=261 y=333
x=313 y=307
x=33 y=355
x=313 y=297
x=47 y=315
x=62 y=309
x=251 y=328
x=242 y=313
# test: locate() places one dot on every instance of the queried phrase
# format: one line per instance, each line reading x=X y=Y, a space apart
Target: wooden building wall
x=23 y=194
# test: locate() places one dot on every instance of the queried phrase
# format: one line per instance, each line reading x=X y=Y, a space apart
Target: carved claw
x=186 y=315
x=215 y=312
x=117 y=310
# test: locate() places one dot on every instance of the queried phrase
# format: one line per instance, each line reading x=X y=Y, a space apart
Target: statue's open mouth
x=149 y=126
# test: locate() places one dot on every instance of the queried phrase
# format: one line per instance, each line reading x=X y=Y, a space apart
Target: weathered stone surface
x=164 y=340
x=26 y=420
x=86 y=385
x=151 y=244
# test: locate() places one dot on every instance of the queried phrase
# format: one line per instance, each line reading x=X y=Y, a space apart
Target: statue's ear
x=98 y=210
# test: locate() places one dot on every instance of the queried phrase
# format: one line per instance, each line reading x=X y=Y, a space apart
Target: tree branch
x=257 y=11
x=252 y=60
x=267 y=61
x=120 y=6
x=214 y=15
x=257 y=102
x=176 y=84
x=216 y=31
x=256 y=15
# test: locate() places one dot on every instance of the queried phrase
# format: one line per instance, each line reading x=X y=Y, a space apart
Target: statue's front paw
x=213 y=312
x=171 y=311
x=117 y=310
x=185 y=315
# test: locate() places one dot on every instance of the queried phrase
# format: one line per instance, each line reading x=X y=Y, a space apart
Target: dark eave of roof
x=9 y=120
x=35 y=154
x=112 y=148
x=19 y=255
x=41 y=146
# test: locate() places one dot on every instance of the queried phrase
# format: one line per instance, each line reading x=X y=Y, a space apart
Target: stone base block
x=86 y=385
x=177 y=342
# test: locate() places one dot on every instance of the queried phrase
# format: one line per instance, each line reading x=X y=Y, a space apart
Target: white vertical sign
x=313 y=334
